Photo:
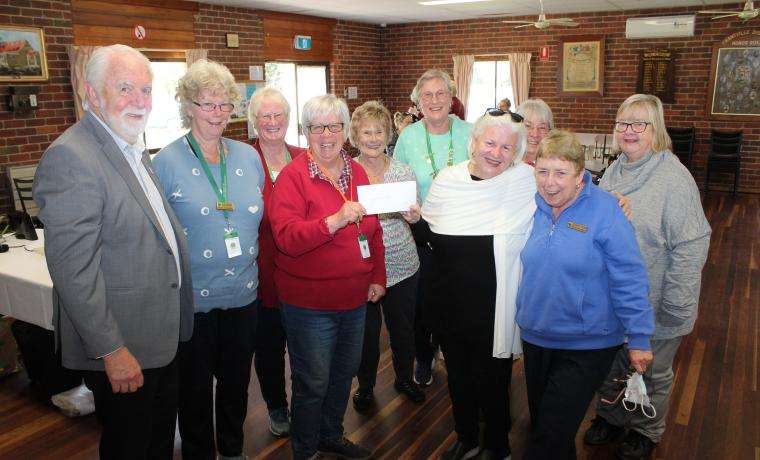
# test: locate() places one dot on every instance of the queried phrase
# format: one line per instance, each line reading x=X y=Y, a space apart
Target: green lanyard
x=288 y=159
x=221 y=192
x=450 y=161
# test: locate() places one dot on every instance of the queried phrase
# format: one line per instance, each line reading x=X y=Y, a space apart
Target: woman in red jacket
x=330 y=262
x=270 y=113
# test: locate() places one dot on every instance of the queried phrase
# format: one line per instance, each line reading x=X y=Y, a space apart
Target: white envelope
x=391 y=197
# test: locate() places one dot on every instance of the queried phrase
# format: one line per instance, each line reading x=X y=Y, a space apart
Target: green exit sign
x=302 y=42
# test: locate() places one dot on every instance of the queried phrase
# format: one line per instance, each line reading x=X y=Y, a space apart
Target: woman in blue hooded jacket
x=583 y=293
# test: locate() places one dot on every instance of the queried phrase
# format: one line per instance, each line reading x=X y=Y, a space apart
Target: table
x=26 y=290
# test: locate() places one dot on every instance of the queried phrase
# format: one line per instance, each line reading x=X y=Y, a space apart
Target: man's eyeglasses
x=636 y=126
x=319 y=129
x=210 y=106
x=517 y=118
x=414 y=116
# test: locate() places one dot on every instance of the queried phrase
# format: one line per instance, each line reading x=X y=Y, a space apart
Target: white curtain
x=78 y=58
x=519 y=70
x=463 y=77
x=194 y=55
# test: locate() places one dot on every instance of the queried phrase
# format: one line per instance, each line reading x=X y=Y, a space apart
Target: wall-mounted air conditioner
x=660 y=27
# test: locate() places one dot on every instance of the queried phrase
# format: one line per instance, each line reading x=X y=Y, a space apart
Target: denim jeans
x=325 y=348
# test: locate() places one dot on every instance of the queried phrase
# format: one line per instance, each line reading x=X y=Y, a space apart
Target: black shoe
x=410 y=390
x=459 y=451
x=635 y=446
x=602 y=432
x=345 y=449
x=363 y=399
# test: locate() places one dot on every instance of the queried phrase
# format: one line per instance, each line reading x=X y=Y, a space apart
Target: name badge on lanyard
x=364 y=246
x=232 y=242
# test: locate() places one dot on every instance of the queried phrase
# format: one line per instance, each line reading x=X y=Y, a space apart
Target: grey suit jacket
x=114 y=275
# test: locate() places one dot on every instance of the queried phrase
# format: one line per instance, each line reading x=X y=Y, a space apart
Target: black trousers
x=222 y=346
x=561 y=384
x=478 y=382
x=424 y=343
x=398 y=309
x=269 y=359
x=139 y=424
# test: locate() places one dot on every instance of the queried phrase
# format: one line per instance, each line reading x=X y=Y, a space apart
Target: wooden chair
x=24 y=191
x=683 y=144
x=725 y=155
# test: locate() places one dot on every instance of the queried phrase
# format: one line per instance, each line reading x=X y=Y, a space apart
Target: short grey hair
x=536 y=107
x=204 y=75
x=430 y=74
x=100 y=62
x=269 y=93
x=502 y=121
x=323 y=106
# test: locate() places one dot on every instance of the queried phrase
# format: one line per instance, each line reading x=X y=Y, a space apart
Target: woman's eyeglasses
x=332 y=127
x=210 y=106
x=636 y=126
x=517 y=118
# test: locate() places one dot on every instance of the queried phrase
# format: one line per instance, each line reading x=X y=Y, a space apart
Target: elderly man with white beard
x=118 y=259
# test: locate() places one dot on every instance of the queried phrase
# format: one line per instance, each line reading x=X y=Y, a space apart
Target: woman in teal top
x=434 y=143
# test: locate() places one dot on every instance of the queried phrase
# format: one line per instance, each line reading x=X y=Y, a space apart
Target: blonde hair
x=370 y=111
x=204 y=75
x=563 y=145
x=653 y=107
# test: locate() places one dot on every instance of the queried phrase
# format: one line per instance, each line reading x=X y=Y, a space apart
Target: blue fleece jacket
x=584 y=285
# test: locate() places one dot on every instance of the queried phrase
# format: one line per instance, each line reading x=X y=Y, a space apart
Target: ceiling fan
x=543 y=23
x=749 y=12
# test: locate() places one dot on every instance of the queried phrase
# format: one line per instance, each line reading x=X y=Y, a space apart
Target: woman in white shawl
x=477 y=217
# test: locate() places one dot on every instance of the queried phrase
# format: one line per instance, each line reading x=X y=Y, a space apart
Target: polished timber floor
x=715 y=407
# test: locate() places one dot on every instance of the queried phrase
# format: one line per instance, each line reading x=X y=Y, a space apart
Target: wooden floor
x=715 y=407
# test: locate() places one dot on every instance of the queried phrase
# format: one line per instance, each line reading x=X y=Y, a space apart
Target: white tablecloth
x=26 y=290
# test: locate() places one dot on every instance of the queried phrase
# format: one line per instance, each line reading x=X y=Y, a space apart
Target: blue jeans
x=325 y=349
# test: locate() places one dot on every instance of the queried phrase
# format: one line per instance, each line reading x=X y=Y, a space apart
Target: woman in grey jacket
x=674 y=237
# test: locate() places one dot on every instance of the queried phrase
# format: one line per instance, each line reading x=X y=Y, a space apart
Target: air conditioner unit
x=660 y=27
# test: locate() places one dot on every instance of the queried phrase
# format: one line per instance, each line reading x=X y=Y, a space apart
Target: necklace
x=431 y=158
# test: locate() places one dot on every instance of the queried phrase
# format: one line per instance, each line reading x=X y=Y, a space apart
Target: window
x=164 y=123
x=298 y=83
x=491 y=83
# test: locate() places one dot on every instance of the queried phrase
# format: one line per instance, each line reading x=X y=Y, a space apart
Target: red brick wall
x=410 y=49
x=357 y=61
x=23 y=138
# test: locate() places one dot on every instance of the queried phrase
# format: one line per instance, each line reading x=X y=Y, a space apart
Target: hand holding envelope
x=390 y=197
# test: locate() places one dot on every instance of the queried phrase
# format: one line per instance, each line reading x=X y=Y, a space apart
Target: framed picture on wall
x=734 y=92
x=246 y=91
x=22 y=54
x=581 y=66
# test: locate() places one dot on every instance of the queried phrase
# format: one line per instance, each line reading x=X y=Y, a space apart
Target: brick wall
x=23 y=138
x=410 y=49
x=357 y=60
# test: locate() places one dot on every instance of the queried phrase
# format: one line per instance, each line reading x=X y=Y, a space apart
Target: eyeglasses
x=414 y=116
x=319 y=129
x=440 y=95
x=636 y=126
x=274 y=116
x=210 y=106
x=517 y=118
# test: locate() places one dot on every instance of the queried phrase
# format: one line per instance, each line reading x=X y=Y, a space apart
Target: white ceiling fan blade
x=566 y=24
x=725 y=16
x=525 y=25
x=717 y=12
x=561 y=19
x=518 y=22
x=564 y=21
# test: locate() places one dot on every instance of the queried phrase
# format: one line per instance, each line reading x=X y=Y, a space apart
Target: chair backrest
x=21 y=179
x=726 y=142
x=683 y=143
